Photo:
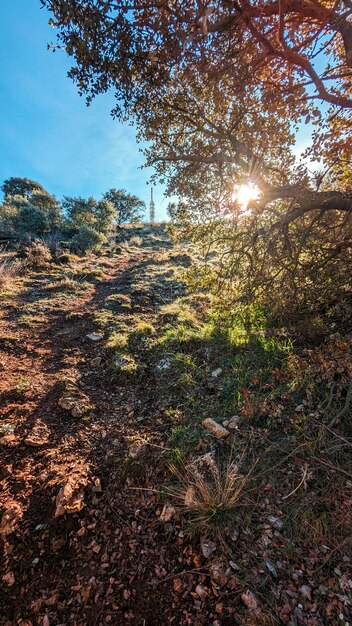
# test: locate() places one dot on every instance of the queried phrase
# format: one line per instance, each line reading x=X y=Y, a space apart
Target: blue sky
x=46 y=131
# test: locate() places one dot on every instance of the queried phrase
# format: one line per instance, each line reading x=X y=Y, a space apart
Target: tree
x=129 y=208
x=24 y=192
x=20 y=187
x=99 y=215
x=106 y=216
x=219 y=91
x=32 y=220
x=79 y=211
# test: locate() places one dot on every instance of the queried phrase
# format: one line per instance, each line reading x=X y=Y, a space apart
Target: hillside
x=118 y=504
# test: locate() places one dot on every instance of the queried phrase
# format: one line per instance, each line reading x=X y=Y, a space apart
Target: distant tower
x=152 y=207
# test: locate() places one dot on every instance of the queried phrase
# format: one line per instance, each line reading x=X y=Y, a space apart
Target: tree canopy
x=128 y=207
x=220 y=91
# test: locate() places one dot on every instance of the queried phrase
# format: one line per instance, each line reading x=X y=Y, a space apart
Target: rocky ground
x=106 y=377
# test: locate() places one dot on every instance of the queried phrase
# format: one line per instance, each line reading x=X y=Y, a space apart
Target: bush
x=30 y=219
x=37 y=255
x=136 y=241
x=9 y=268
x=87 y=238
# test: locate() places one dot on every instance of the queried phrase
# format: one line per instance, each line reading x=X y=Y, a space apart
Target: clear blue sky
x=46 y=131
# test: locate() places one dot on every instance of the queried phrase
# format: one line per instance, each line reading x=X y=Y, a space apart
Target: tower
x=152 y=207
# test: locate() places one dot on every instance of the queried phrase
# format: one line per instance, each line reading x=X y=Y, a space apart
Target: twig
x=305 y=472
x=186 y=571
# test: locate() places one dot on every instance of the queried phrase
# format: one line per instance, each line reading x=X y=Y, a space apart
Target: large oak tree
x=220 y=89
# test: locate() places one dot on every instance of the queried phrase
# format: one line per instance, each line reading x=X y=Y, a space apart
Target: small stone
x=77 y=411
x=8 y=440
x=95 y=336
x=167 y=513
x=66 y=403
x=207 y=547
x=164 y=364
x=233 y=422
x=216 y=373
x=300 y=408
x=201 y=592
x=226 y=423
x=38 y=436
x=306 y=592
x=272 y=569
x=218 y=572
x=218 y=431
x=96 y=362
x=275 y=521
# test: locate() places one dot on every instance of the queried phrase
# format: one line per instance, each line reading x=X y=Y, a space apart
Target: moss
x=117 y=341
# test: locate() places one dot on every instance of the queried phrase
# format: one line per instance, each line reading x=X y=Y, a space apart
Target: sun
x=244 y=194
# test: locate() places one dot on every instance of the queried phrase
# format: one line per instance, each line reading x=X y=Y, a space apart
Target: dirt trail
x=101 y=565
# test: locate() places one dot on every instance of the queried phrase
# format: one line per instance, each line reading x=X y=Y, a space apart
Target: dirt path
x=103 y=564
x=101 y=384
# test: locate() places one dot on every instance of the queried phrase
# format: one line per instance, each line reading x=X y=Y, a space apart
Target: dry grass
x=136 y=240
x=9 y=269
x=209 y=493
x=37 y=255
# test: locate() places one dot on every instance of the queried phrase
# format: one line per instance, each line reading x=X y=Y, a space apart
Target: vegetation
x=29 y=211
x=184 y=417
x=204 y=85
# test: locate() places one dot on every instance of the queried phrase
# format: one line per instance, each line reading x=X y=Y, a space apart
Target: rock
x=250 y=601
x=95 y=336
x=300 y=408
x=275 y=521
x=233 y=422
x=201 y=592
x=38 y=436
x=218 y=431
x=70 y=498
x=10 y=519
x=306 y=592
x=207 y=547
x=216 y=373
x=225 y=423
x=218 y=572
x=9 y=440
x=96 y=362
x=164 y=364
x=77 y=410
x=167 y=513
x=66 y=403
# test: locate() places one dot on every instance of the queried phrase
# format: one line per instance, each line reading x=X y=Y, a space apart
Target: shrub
x=136 y=240
x=9 y=268
x=87 y=238
x=30 y=219
x=37 y=255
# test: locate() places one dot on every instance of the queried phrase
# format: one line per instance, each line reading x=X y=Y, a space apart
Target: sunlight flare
x=244 y=194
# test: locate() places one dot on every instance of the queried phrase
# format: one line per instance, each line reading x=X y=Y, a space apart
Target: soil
x=85 y=537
